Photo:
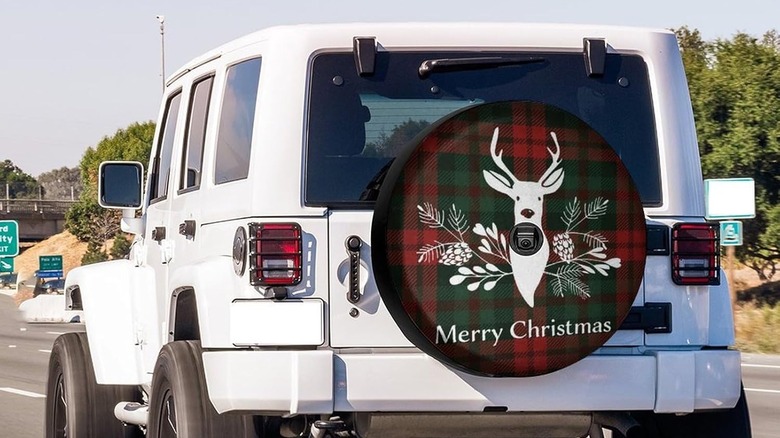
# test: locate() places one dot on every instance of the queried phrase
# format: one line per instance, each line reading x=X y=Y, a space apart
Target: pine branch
x=570 y=271
x=596 y=208
x=430 y=215
x=457 y=220
x=571 y=213
x=577 y=287
x=557 y=287
x=596 y=240
x=567 y=281
x=430 y=252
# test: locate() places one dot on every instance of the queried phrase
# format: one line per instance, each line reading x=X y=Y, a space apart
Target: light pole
x=161 y=19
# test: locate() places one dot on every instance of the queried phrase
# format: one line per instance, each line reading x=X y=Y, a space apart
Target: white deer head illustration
x=528 y=197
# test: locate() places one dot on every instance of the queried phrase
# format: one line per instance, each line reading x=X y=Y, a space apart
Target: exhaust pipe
x=619 y=421
x=132 y=413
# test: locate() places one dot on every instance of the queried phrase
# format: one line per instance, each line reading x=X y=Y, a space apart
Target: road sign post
x=9 y=239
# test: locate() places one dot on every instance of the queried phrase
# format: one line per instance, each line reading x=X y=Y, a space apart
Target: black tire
x=76 y=406
x=731 y=423
x=180 y=406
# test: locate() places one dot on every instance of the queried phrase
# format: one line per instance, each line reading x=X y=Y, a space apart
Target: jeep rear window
x=356 y=125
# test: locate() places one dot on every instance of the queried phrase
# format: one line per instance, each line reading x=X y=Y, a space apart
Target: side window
x=162 y=160
x=236 y=121
x=192 y=158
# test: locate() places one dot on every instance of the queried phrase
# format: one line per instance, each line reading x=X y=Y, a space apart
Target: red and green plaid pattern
x=446 y=169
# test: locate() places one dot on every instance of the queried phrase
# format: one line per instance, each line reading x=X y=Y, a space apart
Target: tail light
x=275 y=254
x=695 y=255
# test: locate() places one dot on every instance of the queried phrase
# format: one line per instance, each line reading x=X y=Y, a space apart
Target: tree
x=86 y=219
x=61 y=183
x=19 y=184
x=735 y=92
x=95 y=253
x=133 y=143
x=120 y=248
x=391 y=146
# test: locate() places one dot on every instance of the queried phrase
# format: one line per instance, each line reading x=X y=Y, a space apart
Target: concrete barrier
x=48 y=308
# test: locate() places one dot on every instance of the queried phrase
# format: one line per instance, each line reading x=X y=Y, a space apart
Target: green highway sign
x=731 y=233
x=7 y=264
x=9 y=238
x=50 y=263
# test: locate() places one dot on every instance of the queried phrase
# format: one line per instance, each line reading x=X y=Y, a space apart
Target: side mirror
x=119 y=184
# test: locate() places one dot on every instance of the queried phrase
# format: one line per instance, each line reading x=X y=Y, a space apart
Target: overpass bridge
x=38 y=219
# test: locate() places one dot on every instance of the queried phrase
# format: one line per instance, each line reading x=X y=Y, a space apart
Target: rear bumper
x=321 y=381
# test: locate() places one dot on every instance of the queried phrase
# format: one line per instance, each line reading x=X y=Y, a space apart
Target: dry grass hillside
x=26 y=263
x=64 y=244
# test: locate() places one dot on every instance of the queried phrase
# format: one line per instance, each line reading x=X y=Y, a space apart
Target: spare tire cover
x=508 y=240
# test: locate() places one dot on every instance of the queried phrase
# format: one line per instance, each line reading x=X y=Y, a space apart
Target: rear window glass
x=357 y=125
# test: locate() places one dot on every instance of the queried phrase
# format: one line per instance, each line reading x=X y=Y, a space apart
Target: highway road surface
x=24 y=358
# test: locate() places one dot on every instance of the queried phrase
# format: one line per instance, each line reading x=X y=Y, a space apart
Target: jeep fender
x=214 y=285
x=120 y=311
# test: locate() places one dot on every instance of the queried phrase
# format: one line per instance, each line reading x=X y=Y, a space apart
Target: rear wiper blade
x=461 y=64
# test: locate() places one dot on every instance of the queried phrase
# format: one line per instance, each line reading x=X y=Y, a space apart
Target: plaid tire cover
x=442 y=267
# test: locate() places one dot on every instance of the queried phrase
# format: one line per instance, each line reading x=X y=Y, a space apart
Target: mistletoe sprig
x=486 y=277
x=492 y=242
x=458 y=252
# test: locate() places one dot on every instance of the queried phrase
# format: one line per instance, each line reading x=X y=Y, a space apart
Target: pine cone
x=563 y=246
x=456 y=254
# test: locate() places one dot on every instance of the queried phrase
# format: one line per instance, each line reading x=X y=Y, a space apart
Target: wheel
x=180 y=406
x=76 y=406
x=731 y=423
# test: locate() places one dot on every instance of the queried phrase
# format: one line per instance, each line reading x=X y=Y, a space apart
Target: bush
x=758 y=328
x=94 y=254
x=121 y=247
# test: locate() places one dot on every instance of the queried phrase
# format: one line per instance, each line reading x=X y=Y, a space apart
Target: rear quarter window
x=236 y=121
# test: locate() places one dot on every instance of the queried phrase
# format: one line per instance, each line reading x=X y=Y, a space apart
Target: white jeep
x=411 y=230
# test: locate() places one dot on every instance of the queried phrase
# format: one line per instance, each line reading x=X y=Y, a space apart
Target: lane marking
x=23 y=329
x=755 y=365
x=23 y=392
x=55 y=333
x=768 y=391
x=12 y=346
x=45 y=351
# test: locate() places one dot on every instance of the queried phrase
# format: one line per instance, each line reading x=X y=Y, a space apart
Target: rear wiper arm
x=461 y=64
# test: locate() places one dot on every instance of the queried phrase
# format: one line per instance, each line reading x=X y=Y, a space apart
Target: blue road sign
x=49 y=274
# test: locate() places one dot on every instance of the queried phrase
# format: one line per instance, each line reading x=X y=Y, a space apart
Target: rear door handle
x=354 y=244
x=187 y=228
x=158 y=234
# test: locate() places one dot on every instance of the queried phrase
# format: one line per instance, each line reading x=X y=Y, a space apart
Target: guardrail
x=35 y=206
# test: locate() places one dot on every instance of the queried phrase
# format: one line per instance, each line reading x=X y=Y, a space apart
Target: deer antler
x=500 y=163
x=553 y=176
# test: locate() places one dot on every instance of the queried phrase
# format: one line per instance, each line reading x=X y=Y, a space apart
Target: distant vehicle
x=8 y=281
x=54 y=286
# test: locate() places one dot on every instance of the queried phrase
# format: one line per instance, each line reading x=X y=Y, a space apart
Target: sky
x=73 y=72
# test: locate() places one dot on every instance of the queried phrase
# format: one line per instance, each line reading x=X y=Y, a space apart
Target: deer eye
x=517 y=198
x=539 y=198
